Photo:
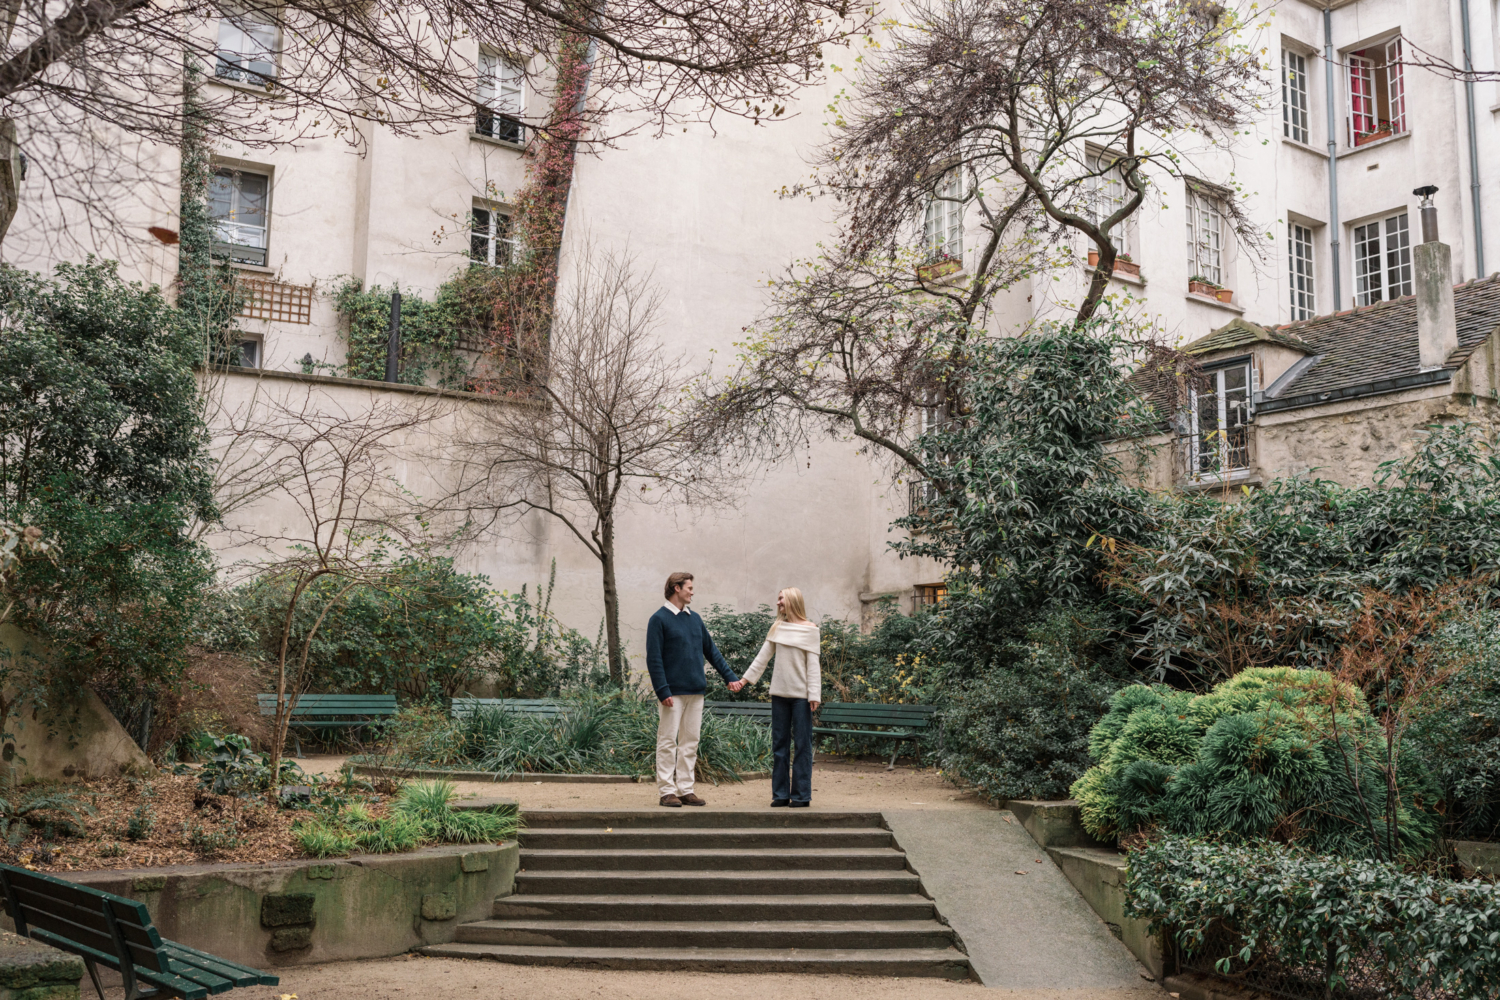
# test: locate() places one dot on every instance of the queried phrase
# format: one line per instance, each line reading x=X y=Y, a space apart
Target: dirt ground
x=418 y=978
x=838 y=784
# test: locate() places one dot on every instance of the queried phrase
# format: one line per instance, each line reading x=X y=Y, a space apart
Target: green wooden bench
x=846 y=718
x=105 y=929
x=319 y=711
x=760 y=711
x=462 y=708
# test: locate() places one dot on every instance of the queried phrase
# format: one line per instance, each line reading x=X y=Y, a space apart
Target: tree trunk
x=611 y=603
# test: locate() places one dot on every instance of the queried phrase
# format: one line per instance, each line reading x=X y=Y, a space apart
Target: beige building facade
x=703 y=210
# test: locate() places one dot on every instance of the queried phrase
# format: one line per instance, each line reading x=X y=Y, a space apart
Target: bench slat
x=173 y=985
x=193 y=955
x=82 y=917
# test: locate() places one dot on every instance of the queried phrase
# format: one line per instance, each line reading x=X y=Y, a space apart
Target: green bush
x=1263 y=754
x=422 y=813
x=1432 y=936
x=1021 y=730
x=1458 y=732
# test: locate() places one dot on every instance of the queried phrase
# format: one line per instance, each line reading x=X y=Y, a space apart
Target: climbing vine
x=207 y=297
x=433 y=334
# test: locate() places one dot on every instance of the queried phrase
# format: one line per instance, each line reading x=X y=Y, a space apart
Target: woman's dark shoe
x=799 y=805
x=780 y=802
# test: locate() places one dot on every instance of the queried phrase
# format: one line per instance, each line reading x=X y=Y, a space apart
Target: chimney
x=1437 y=324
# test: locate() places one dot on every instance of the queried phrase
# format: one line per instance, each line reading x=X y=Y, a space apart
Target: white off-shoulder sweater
x=797 y=674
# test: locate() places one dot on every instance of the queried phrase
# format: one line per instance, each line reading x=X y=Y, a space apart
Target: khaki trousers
x=677 y=730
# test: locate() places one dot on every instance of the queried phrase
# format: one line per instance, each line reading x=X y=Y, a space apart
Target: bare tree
x=337 y=468
x=93 y=90
x=593 y=416
x=1046 y=122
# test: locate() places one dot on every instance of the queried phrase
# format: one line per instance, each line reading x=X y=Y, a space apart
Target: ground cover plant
x=1321 y=919
x=597 y=733
x=421 y=813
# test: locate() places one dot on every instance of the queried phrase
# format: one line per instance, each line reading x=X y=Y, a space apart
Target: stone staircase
x=693 y=889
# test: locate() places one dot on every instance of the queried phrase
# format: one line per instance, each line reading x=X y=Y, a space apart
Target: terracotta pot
x=1202 y=288
x=937 y=269
x=1225 y=295
x=1128 y=267
x=1093 y=258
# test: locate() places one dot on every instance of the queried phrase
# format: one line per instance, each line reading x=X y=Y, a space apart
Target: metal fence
x=1365 y=977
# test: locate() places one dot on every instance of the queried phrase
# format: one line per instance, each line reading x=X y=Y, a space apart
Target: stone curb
x=375 y=771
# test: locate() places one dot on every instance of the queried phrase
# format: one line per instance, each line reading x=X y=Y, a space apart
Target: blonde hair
x=791 y=597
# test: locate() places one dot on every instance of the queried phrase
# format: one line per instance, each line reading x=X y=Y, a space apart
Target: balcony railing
x=494 y=125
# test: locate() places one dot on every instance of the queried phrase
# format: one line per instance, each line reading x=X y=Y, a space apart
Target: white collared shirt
x=673 y=608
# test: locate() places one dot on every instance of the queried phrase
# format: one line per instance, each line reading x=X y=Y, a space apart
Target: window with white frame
x=1382 y=260
x=501 y=97
x=1205 y=235
x=1107 y=192
x=246 y=49
x=1377 y=93
x=1218 y=434
x=943 y=221
x=490 y=239
x=239 y=206
x=1299 y=261
x=1294 y=102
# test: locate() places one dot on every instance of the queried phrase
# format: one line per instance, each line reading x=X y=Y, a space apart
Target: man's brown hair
x=676 y=580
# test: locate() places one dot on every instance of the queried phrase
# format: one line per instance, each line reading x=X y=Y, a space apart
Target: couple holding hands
x=677 y=646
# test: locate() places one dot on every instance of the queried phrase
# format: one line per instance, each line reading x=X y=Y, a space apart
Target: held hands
x=736 y=685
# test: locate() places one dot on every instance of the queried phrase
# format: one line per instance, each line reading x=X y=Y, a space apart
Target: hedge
x=1427 y=934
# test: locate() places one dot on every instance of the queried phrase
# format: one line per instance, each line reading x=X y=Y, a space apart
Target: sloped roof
x=1241 y=333
x=1378 y=343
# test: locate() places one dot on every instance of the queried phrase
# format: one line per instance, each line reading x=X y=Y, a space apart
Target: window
x=925 y=595
x=1219 y=415
x=1205 y=236
x=1377 y=93
x=943 y=222
x=1108 y=191
x=1294 y=104
x=247 y=354
x=1299 y=260
x=246 y=52
x=238 y=205
x=490 y=240
x=1382 y=260
x=501 y=98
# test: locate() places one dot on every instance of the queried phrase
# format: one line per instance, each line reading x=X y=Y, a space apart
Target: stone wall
x=296 y=912
x=30 y=970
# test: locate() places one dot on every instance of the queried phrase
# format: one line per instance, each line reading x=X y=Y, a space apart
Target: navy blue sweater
x=676 y=646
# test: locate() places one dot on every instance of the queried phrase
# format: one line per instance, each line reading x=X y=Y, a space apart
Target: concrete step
x=702 y=838
x=789 y=859
x=887 y=906
x=728 y=883
x=770 y=934
x=944 y=963
x=689 y=817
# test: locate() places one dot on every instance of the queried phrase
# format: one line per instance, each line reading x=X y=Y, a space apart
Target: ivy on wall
x=434 y=335
x=207 y=297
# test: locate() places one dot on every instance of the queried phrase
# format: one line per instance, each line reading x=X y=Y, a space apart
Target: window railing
x=1218 y=454
x=495 y=125
x=241 y=69
x=239 y=242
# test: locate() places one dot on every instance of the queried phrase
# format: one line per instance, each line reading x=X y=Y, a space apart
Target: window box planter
x=1365 y=138
x=1196 y=287
x=1122 y=266
x=938 y=269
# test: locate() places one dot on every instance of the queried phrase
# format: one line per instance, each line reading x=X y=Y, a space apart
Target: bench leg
x=88 y=963
x=892 y=765
x=297 y=741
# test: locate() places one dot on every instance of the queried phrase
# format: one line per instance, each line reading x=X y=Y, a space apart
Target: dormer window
x=1217 y=425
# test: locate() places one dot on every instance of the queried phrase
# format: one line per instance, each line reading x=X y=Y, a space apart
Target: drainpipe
x=393 y=341
x=1333 y=160
x=1473 y=143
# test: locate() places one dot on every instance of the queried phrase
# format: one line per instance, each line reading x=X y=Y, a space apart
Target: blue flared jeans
x=791 y=729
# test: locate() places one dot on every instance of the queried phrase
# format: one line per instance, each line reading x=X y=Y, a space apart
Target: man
x=677 y=643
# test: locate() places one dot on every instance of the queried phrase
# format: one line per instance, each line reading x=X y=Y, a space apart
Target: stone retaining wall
x=295 y=912
x=30 y=970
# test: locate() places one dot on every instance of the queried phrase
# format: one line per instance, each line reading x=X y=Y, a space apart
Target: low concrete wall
x=30 y=970
x=1099 y=876
x=295 y=912
x=1052 y=824
x=1479 y=855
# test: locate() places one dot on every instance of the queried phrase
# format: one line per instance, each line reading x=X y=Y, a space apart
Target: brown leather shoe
x=691 y=799
x=671 y=800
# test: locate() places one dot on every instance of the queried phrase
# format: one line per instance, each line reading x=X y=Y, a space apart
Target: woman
x=796 y=690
